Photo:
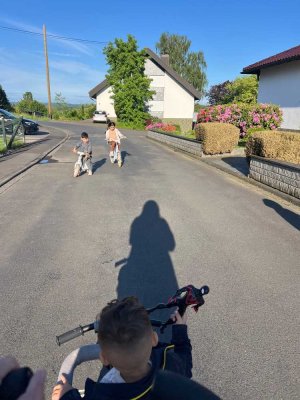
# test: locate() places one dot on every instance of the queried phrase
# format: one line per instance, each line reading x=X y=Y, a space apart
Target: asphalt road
x=69 y=245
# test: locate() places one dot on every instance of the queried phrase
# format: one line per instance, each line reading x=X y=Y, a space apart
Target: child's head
x=84 y=137
x=111 y=125
x=125 y=335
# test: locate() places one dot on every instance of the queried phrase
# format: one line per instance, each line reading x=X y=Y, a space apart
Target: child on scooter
x=131 y=351
x=113 y=137
x=84 y=147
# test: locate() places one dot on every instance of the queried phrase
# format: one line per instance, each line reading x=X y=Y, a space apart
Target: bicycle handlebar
x=74 y=333
x=188 y=295
x=81 y=330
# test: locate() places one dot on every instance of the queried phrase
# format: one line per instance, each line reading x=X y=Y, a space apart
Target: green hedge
x=217 y=138
x=281 y=145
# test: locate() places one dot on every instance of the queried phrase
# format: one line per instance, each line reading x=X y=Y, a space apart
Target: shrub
x=243 y=116
x=217 y=138
x=131 y=125
x=250 y=131
x=178 y=127
x=152 y=120
x=162 y=126
x=88 y=110
x=283 y=146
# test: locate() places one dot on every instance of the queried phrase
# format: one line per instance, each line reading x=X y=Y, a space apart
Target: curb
x=37 y=160
x=253 y=182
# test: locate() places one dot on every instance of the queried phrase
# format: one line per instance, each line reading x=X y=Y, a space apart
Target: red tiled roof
x=280 y=58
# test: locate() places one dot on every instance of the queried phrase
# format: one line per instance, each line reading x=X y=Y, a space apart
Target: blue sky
x=232 y=34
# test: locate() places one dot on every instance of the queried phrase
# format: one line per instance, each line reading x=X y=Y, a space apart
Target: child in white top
x=113 y=137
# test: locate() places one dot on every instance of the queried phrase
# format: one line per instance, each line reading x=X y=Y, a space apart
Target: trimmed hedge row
x=281 y=145
x=217 y=138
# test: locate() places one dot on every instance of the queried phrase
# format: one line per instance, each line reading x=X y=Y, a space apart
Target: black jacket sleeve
x=71 y=395
x=180 y=360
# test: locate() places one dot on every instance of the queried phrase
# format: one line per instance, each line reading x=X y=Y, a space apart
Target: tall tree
x=130 y=86
x=244 y=89
x=28 y=96
x=29 y=105
x=4 y=102
x=241 y=90
x=219 y=94
x=60 y=102
x=188 y=64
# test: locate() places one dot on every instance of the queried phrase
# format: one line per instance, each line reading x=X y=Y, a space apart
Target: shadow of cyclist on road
x=148 y=272
x=98 y=164
x=291 y=217
x=124 y=154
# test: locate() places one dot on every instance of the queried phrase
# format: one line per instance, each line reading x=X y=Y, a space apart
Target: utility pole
x=47 y=72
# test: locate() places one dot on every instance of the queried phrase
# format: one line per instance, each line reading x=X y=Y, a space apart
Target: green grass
x=43 y=118
x=188 y=135
x=17 y=143
x=243 y=141
x=126 y=125
x=2 y=146
x=34 y=118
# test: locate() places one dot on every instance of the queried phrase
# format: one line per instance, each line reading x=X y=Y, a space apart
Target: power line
x=53 y=36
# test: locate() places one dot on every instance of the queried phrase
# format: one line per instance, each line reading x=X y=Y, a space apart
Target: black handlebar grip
x=204 y=290
x=65 y=337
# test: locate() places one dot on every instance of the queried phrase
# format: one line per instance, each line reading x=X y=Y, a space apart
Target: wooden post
x=47 y=72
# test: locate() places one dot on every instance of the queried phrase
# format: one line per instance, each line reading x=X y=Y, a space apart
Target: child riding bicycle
x=113 y=137
x=132 y=354
x=84 y=151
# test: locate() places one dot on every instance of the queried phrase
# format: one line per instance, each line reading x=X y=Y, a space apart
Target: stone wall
x=186 y=145
x=277 y=174
x=184 y=123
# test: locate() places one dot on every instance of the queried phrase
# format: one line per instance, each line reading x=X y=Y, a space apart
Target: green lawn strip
x=186 y=135
x=2 y=146
x=17 y=143
x=32 y=117
x=127 y=125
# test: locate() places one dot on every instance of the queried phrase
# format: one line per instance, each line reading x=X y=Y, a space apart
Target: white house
x=174 y=97
x=279 y=83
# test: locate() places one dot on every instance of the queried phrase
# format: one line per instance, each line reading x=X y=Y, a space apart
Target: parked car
x=29 y=126
x=100 y=116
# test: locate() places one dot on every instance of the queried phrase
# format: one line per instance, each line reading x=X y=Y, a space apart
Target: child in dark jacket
x=131 y=351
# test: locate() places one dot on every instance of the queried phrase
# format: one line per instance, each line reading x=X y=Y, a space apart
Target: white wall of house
x=105 y=103
x=281 y=85
x=178 y=102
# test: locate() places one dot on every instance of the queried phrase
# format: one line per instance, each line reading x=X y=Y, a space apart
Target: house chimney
x=165 y=58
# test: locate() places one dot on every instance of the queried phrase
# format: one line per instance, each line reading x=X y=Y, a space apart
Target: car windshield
x=99 y=112
x=7 y=114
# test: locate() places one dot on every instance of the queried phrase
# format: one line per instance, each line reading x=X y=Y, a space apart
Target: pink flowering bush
x=243 y=116
x=162 y=126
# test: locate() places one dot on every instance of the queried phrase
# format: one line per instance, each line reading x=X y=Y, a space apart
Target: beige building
x=279 y=83
x=174 y=97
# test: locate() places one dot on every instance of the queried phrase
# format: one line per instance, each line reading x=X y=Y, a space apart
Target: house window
x=159 y=93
